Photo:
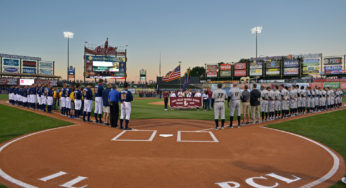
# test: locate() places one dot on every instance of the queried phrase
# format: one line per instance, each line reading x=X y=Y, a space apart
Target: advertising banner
x=105 y=58
x=29 y=64
x=211 y=71
x=343 y=85
x=256 y=65
x=273 y=72
x=11 y=62
x=290 y=71
x=29 y=70
x=185 y=102
x=333 y=85
x=225 y=73
x=333 y=61
x=8 y=81
x=10 y=69
x=240 y=66
x=316 y=84
x=291 y=63
x=45 y=65
x=239 y=73
x=311 y=66
x=225 y=70
x=225 y=67
x=333 y=69
x=255 y=72
x=272 y=64
x=46 y=71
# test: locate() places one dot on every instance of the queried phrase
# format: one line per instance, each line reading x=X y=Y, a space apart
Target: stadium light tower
x=68 y=35
x=256 y=30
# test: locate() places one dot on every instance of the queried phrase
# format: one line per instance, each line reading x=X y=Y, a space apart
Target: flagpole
x=180 y=73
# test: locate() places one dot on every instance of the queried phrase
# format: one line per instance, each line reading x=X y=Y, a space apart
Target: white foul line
x=8 y=177
x=332 y=171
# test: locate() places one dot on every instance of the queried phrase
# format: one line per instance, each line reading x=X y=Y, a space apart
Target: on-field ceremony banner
x=185 y=102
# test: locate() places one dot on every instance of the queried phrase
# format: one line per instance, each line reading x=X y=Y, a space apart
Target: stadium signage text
x=255 y=181
x=20 y=57
x=185 y=102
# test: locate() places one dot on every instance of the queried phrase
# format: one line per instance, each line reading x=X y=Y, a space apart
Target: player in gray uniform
x=323 y=99
x=303 y=99
x=312 y=100
x=308 y=99
x=299 y=100
x=340 y=94
x=234 y=97
x=333 y=98
x=328 y=98
x=293 y=100
x=277 y=97
x=219 y=96
x=285 y=101
x=271 y=103
x=264 y=103
x=317 y=99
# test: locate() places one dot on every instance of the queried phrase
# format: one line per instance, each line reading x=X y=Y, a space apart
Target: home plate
x=166 y=135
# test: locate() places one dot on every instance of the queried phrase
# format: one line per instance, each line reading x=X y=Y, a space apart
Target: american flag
x=172 y=75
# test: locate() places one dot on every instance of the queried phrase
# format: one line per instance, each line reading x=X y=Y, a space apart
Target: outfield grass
x=328 y=129
x=3 y=96
x=16 y=122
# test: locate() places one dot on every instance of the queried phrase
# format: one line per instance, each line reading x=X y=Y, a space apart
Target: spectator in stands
x=165 y=99
x=255 y=96
x=210 y=95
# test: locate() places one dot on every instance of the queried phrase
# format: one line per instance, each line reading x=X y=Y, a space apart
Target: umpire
x=114 y=97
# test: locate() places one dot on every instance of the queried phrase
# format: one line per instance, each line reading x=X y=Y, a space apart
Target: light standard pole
x=256 y=30
x=68 y=35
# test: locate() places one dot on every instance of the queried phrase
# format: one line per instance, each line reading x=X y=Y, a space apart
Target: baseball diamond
x=192 y=155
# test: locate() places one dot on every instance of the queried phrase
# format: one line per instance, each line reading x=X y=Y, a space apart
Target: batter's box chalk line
x=151 y=138
x=210 y=133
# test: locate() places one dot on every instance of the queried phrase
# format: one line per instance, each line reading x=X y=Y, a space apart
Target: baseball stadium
x=166 y=101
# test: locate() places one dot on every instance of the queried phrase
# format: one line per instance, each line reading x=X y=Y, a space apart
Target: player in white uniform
x=303 y=99
x=234 y=97
x=312 y=100
x=264 y=103
x=285 y=101
x=293 y=97
x=126 y=98
x=323 y=100
x=271 y=103
x=299 y=100
x=219 y=97
x=277 y=98
x=317 y=99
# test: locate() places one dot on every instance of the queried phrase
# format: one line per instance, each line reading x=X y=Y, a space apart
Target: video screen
x=26 y=82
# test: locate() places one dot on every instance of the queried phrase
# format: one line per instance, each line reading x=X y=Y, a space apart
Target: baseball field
x=204 y=156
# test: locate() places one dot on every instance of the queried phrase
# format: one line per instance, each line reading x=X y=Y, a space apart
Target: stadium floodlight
x=256 y=30
x=69 y=35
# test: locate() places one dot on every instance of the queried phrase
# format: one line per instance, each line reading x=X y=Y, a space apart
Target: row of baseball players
x=279 y=102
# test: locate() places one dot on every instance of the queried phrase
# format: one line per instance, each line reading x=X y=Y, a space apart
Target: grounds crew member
x=88 y=102
x=219 y=97
x=125 y=99
x=114 y=97
x=105 y=102
x=234 y=97
x=98 y=102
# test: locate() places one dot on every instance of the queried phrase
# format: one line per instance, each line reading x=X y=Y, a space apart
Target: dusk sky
x=194 y=32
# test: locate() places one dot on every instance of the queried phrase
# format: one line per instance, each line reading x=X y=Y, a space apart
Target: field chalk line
x=332 y=171
x=8 y=177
